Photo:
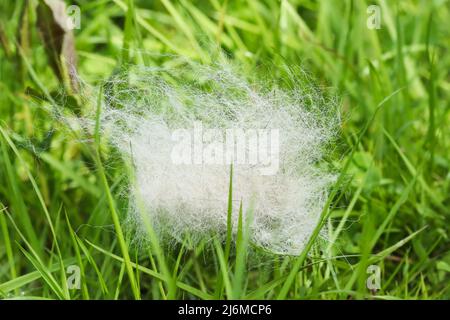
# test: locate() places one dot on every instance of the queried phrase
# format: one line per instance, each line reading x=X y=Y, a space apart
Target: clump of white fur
x=144 y=105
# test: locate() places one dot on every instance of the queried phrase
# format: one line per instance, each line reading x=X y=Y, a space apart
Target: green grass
x=60 y=197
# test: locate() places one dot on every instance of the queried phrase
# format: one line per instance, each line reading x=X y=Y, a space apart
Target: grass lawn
x=62 y=204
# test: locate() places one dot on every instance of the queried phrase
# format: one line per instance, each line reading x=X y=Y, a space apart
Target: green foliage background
x=60 y=205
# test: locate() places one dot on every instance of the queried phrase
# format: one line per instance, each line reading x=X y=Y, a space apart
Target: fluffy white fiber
x=145 y=105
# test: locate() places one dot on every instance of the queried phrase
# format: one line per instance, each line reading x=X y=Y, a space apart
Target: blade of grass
x=229 y=216
x=223 y=268
x=84 y=289
x=7 y=243
x=45 y=274
x=111 y=203
x=242 y=241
